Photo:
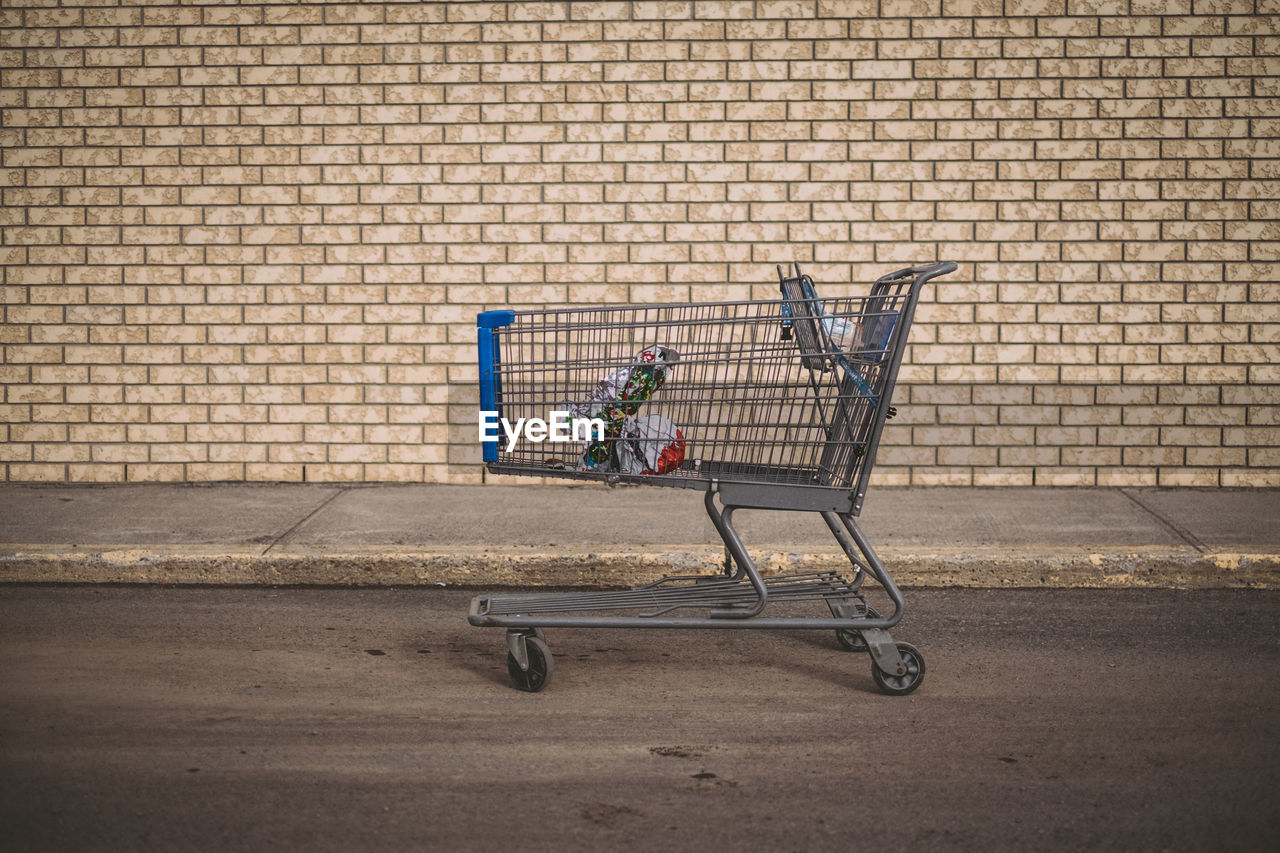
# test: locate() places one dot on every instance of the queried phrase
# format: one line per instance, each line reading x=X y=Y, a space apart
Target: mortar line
x=283 y=536
x=1186 y=535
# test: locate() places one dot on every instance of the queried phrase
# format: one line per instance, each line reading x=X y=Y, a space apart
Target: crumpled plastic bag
x=845 y=334
x=616 y=400
x=650 y=445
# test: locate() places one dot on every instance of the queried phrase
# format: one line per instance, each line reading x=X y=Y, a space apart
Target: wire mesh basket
x=787 y=392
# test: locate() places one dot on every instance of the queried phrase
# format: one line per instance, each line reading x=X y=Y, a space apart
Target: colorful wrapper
x=617 y=399
x=621 y=392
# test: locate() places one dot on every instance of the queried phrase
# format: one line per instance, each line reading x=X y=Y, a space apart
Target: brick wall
x=247 y=242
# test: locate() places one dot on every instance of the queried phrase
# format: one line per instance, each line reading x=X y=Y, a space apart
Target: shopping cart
x=769 y=404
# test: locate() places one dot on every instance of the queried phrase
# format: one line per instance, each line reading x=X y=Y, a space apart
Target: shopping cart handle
x=930 y=270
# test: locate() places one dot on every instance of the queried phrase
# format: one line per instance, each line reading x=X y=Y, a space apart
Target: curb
x=530 y=567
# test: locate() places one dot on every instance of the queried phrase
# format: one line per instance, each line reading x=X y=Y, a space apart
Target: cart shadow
x=783 y=652
x=837 y=665
x=483 y=659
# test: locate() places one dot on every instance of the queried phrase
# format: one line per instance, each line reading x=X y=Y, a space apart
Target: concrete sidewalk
x=591 y=535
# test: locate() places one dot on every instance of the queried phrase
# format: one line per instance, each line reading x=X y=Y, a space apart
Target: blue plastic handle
x=490 y=377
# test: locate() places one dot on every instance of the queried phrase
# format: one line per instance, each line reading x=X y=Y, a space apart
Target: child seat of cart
x=814 y=327
x=858 y=357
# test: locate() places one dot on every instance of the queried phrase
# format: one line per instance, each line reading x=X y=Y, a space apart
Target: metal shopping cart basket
x=769 y=404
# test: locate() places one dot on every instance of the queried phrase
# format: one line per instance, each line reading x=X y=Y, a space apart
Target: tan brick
x=273 y=472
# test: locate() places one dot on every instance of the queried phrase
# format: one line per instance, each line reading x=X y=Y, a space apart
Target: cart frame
x=738 y=597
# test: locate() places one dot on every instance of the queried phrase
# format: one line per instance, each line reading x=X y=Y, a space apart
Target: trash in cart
x=615 y=402
x=764 y=404
x=650 y=445
x=620 y=393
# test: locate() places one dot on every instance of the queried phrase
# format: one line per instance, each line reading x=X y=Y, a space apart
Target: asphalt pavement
x=212 y=718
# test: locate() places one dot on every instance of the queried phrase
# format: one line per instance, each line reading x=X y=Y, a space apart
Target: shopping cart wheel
x=851 y=640
x=534 y=678
x=901 y=685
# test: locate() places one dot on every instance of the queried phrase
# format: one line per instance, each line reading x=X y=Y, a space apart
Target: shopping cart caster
x=851 y=640
x=907 y=681
x=529 y=660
